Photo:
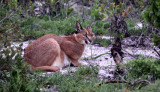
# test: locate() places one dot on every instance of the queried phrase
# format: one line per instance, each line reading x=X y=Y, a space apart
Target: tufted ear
x=79 y=28
x=90 y=26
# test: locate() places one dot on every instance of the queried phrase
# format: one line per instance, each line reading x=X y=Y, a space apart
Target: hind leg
x=44 y=55
x=47 y=68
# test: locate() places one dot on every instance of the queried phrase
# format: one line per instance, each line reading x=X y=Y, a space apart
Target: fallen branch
x=128 y=82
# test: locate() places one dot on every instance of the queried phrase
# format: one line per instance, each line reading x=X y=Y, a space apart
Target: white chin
x=83 y=42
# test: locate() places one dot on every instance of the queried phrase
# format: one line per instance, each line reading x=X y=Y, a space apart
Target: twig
x=6 y=17
x=56 y=15
x=139 y=39
x=91 y=64
x=156 y=51
x=92 y=67
x=129 y=53
x=128 y=82
x=83 y=11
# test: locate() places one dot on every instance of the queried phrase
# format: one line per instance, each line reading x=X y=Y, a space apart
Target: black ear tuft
x=79 y=28
x=90 y=26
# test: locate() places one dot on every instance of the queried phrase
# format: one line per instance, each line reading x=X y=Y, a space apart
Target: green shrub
x=95 y=12
x=102 y=42
x=100 y=28
x=83 y=80
x=156 y=40
x=143 y=67
x=152 y=14
x=154 y=87
x=138 y=32
x=35 y=27
x=86 y=71
x=17 y=81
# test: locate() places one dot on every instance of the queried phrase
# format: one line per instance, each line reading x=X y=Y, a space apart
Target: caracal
x=50 y=52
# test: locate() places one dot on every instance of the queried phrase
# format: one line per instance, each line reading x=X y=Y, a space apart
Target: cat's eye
x=91 y=34
x=85 y=35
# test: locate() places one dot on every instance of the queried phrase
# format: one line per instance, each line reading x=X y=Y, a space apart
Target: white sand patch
x=139 y=25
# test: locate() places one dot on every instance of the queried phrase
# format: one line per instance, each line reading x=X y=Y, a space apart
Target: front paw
x=80 y=63
x=84 y=63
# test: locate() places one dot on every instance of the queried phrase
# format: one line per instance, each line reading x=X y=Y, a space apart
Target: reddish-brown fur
x=48 y=52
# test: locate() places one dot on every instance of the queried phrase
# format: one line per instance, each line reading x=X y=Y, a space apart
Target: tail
x=47 y=68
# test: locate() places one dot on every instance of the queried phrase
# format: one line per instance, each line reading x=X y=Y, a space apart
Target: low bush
x=83 y=80
x=34 y=27
x=156 y=40
x=153 y=18
x=102 y=42
x=154 y=87
x=144 y=68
